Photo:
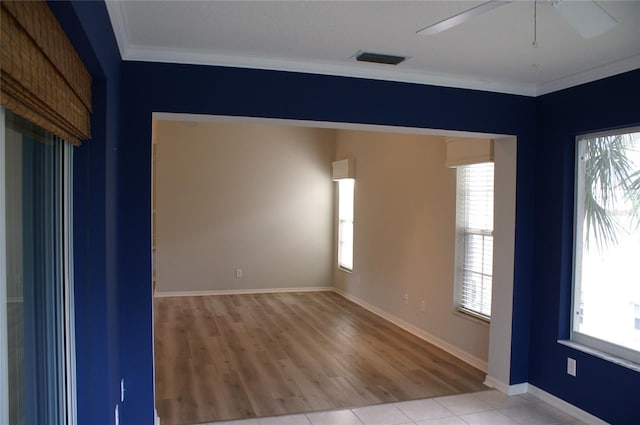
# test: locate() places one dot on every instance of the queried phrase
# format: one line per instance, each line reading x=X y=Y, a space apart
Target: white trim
x=600 y=354
x=494 y=383
x=119 y=25
x=420 y=333
x=504 y=388
x=165 y=294
x=564 y=406
x=4 y=361
x=147 y=54
x=349 y=69
x=69 y=309
x=594 y=74
x=558 y=403
x=516 y=389
x=618 y=354
x=624 y=130
x=346 y=69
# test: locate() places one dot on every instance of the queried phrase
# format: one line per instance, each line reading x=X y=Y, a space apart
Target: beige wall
x=405 y=234
x=254 y=197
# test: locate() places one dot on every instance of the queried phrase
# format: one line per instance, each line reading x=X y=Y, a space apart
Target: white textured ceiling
x=491 y=52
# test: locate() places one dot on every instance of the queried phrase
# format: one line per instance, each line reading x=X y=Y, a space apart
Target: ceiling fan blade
x=461 y=17
x=588 y=18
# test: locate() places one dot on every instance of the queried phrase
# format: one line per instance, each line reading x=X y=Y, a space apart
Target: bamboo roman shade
x=42 y=77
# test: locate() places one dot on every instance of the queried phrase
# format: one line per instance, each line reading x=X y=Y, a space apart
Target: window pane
x=345 y=223
x=474 y=242
x=34 y=274
x=478 y=196
x=476 y=283
x=345 y=201
x=606 y=285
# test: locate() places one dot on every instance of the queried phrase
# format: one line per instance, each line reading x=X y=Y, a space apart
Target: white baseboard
x=494 y=383
x=505 y=388
x=564 y=406
x=420 y=333
x=163 y=294
x=548 y=398
x=518 y=389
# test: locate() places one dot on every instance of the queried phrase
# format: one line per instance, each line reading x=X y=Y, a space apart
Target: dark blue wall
x=95 y=215
x=602 y=388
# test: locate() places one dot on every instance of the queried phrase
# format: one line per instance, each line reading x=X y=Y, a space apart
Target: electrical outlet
x=238 y=273
x=406 y=298
x=571 y=366
x=423 y=306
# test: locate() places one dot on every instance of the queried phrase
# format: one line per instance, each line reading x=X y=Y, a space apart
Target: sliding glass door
x=36 y=325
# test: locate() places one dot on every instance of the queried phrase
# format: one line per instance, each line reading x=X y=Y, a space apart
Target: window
x=345 y=223
x=36 y=293
x=606 y=294
x=474 y=239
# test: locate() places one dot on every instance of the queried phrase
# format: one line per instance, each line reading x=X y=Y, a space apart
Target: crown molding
x=353 y=69
x=348 y=69
x=119 y=25
x=594 y=74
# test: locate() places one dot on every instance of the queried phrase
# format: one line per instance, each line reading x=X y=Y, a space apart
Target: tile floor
x=482 y=408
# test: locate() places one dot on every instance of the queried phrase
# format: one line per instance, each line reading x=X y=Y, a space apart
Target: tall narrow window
x=474 y=239
x=606 y=294
x=36 y=361
x=345 y=223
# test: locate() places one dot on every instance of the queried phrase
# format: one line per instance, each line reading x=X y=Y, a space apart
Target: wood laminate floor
x=243 y=356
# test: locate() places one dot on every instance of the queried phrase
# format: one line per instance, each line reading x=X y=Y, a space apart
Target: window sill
x=345 y=269
x=600 y=354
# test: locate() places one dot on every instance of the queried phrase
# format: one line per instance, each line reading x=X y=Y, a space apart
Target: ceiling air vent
x=379 y=58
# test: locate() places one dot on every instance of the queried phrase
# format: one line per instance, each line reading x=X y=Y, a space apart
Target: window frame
x=462 y=233
x=4 y=362
x=341 y=223
x=604 y=349
x=67 y=409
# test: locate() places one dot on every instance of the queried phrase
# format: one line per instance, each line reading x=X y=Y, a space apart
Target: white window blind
x=475 y=238
x=345 y=223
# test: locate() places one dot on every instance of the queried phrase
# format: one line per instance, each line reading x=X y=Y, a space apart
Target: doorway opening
x=367 y=284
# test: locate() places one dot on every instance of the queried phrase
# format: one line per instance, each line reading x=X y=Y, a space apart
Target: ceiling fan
x=586 y=17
